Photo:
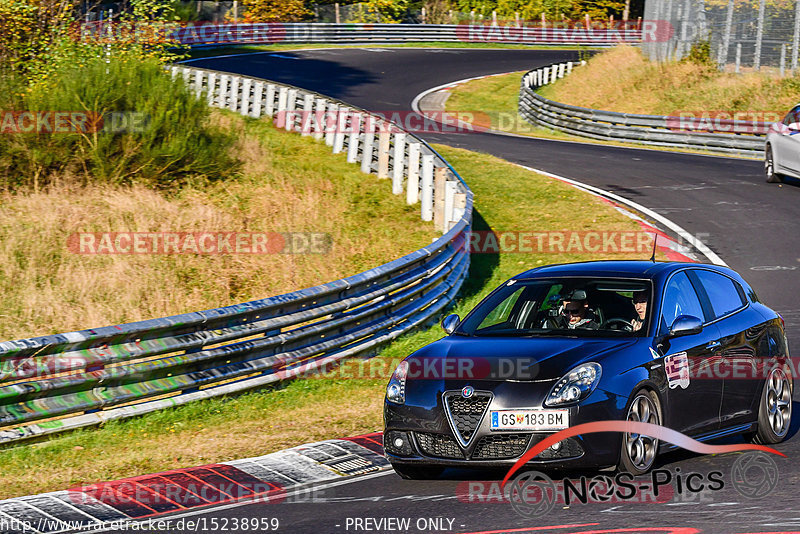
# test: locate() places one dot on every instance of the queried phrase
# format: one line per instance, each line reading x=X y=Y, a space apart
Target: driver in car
x=575 y=313
x=640 y=305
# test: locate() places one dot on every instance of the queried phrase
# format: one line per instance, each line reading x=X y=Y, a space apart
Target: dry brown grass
x=289 y=184
x=622 y=79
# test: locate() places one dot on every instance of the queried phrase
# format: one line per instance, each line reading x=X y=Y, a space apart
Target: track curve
x=725 y=201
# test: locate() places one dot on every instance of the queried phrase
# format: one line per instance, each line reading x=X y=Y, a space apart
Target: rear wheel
x=417 y=472
x=639 y=451
x=774 y=408
x=769 y=167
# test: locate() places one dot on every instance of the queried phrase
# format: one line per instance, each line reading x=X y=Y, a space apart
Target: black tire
x=769 y=167
x=774 y=408
x=417 y=472
x=638 y=453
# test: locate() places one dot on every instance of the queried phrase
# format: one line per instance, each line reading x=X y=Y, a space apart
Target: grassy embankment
x=636 y=86
x=506 y=198
x=286 y=184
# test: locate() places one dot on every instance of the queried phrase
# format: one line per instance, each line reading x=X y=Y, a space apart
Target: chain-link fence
x=741 y=34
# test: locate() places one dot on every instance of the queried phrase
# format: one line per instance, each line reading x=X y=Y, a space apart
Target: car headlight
x=396 y=389
x=575 y=385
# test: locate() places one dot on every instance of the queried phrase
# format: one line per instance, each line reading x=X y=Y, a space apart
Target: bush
x=173 y=144
x=700 y=54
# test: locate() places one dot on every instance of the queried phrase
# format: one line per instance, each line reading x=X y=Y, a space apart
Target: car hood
x=500 y=358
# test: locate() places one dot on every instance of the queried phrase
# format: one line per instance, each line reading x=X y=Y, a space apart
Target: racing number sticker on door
x=677 y=368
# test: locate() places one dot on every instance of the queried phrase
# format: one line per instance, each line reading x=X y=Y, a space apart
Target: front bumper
x=428 y=436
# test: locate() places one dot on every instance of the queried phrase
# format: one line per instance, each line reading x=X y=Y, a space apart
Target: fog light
x=398 y=443
x=555 y=446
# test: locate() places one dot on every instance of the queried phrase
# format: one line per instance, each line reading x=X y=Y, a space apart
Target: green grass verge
x=507 y=198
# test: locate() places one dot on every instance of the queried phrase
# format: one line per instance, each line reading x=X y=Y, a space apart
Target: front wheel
x=774 y=408
x=639 y=451
x=769 y=168
x=417 y=472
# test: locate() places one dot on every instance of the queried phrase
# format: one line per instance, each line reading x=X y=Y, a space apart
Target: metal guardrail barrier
x=273 y=33
x=657 y=130
x=66 y=381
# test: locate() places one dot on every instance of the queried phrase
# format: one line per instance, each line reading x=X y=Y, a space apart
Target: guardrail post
x=398 y=162
x=427 y=187
x=258 y=100
x=459 y=206
x=369 y=141
x=212 y=87
x=554 y=74
x=291 y=107
x=439 y=179
x=384 y=143
x=412 y=189
x=283 y=100
x=569 y=67
x=198 y=82
x=174 y=71
x=353 y=138
x=341 y=126
x=561 y=68
x=222 y=94
x=320 y=118
x=545 y=76
x=270 y=108
x=331 y=124
x=234 y=101
x=244 y=108
x=449 y=204
x=308 y=115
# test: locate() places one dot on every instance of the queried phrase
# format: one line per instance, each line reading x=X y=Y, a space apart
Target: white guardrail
x=67 y=381
x=657 y=130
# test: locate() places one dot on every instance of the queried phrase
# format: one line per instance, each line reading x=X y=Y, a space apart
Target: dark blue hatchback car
x=686 y=346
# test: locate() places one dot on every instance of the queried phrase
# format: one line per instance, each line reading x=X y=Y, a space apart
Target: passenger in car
x=575 y=313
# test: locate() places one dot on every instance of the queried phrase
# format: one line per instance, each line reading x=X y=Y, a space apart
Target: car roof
x=614 y=268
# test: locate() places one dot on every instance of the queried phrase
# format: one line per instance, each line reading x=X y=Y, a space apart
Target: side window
x=725 y=294
x=679 y=299
x=792 y=116
x=501 y=313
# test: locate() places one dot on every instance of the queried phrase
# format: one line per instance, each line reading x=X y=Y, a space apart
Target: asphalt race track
x=724 y=201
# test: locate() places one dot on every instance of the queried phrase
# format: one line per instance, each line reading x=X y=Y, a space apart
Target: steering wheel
x=625 y=324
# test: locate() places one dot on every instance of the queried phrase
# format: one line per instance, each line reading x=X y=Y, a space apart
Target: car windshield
x=575 y=306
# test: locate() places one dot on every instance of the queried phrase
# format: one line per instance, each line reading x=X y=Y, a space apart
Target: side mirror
x=685 y=325
x=450 y=323
x=794 y=126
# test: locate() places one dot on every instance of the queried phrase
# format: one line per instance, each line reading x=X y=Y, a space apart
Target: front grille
x=501 y=446
x=466 y=413
x=439 y=446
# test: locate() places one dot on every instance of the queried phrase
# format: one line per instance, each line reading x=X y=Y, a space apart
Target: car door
x=693 y=399
x=786 y=145
x=739 y=371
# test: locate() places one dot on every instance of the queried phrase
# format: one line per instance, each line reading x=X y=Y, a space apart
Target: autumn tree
x=275 y=10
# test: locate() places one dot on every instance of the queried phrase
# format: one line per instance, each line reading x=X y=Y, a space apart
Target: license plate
x=529 y=419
